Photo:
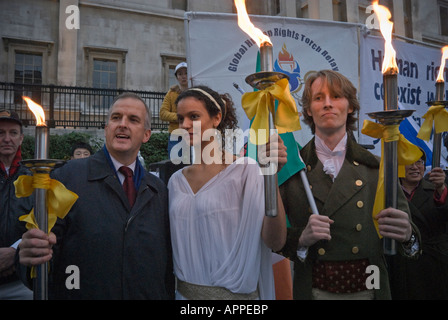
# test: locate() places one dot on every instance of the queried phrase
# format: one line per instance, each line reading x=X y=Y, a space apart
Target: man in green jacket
x=336 y=251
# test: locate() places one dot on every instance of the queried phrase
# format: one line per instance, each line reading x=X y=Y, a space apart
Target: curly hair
x=229 y=119
x=338 y=84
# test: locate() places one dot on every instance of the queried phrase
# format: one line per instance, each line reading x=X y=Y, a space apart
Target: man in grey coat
x=119 y=250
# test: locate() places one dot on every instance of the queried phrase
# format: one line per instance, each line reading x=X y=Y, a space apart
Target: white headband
x=208 y=95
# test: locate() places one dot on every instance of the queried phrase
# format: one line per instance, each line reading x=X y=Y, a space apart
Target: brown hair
x=337 y=84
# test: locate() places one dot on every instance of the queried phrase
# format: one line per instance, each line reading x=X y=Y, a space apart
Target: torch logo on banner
x=285 y=63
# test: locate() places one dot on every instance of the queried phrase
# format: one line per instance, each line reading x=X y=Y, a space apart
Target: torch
x=439 y=100
x=263 y=80
x=391 y=116
x=41 y=165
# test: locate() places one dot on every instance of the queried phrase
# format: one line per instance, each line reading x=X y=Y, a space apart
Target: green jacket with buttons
x=349 y=202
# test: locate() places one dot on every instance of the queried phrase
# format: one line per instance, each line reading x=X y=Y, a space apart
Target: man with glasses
x=426 y=277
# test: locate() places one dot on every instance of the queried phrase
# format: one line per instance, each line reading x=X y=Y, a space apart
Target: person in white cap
x=168 y=111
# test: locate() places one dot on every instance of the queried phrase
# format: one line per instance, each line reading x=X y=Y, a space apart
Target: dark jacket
x=120 y=253
x=426 y=277
x=348 y=201
x=11 y=208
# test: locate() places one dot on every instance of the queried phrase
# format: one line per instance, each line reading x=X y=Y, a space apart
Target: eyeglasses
x=419 y=163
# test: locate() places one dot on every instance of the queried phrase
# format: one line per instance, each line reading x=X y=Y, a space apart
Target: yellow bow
x=59 y=199
x=258 y=104
x=407 y=154
x=437 y=115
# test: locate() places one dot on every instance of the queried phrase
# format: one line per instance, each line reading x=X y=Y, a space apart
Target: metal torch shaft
x=437 y=140
x=270 y=179
x=390 y=156
x=41 y=213
x=390 y=187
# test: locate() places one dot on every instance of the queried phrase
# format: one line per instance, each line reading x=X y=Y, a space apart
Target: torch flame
x=37 y=110
x=383 y=14
x=442 y=64
x=244 y=23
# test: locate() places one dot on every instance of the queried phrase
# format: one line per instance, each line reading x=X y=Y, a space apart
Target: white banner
x=220 y=53
x=418 y=68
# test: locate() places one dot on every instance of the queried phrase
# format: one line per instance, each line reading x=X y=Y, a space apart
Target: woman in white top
x=221 y=238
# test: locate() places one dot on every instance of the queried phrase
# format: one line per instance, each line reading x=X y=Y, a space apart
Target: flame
x=284 y=55
x=37 y=110
x=442 y=64
x=244 y=23
x=389 y=62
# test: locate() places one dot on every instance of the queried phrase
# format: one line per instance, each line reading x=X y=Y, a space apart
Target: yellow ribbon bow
x=59 y=199
x=407 y=154
x=258 y=104
x=439 y=116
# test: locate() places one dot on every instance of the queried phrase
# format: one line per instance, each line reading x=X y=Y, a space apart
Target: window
x=27 y=70
x=105 y=70
x=104 y=74
x=172 y=80
x=179 y=4
x=254 y=7
x=444 y=18
x=28 y=62
x=169 y=63
x=104 y=77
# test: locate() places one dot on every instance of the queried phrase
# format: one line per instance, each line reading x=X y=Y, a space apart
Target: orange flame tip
x=442 y=64
x=389 y=62
x=37 y=110
x=244 y=23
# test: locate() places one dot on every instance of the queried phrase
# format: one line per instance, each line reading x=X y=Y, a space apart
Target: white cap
x=180 y=65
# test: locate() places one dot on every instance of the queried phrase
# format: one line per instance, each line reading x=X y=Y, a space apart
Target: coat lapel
x=99 y=169
x=145 y=193
x=335 y=194
x=344 y=188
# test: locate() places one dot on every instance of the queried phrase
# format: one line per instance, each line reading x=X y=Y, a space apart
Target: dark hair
x=228 y=120
x=82 y=145
x=337 y=84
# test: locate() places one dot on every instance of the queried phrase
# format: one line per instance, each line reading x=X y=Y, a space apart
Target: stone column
x=69 y=24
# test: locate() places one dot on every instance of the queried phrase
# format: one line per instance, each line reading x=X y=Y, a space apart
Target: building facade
x=136 y=44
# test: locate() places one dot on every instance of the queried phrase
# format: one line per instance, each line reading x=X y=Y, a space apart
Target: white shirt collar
x=331 y=159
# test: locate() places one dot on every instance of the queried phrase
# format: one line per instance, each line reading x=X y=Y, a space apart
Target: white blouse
x=216 y=232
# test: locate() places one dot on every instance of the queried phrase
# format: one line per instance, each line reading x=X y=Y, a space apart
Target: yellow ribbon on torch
x=59 y=198
x=407 y=153
x=258 y=104
x=436 y=115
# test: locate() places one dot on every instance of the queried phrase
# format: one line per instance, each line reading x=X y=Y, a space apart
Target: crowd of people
x=205 y=235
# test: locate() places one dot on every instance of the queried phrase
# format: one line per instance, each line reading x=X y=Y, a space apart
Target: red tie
x=128 y=184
